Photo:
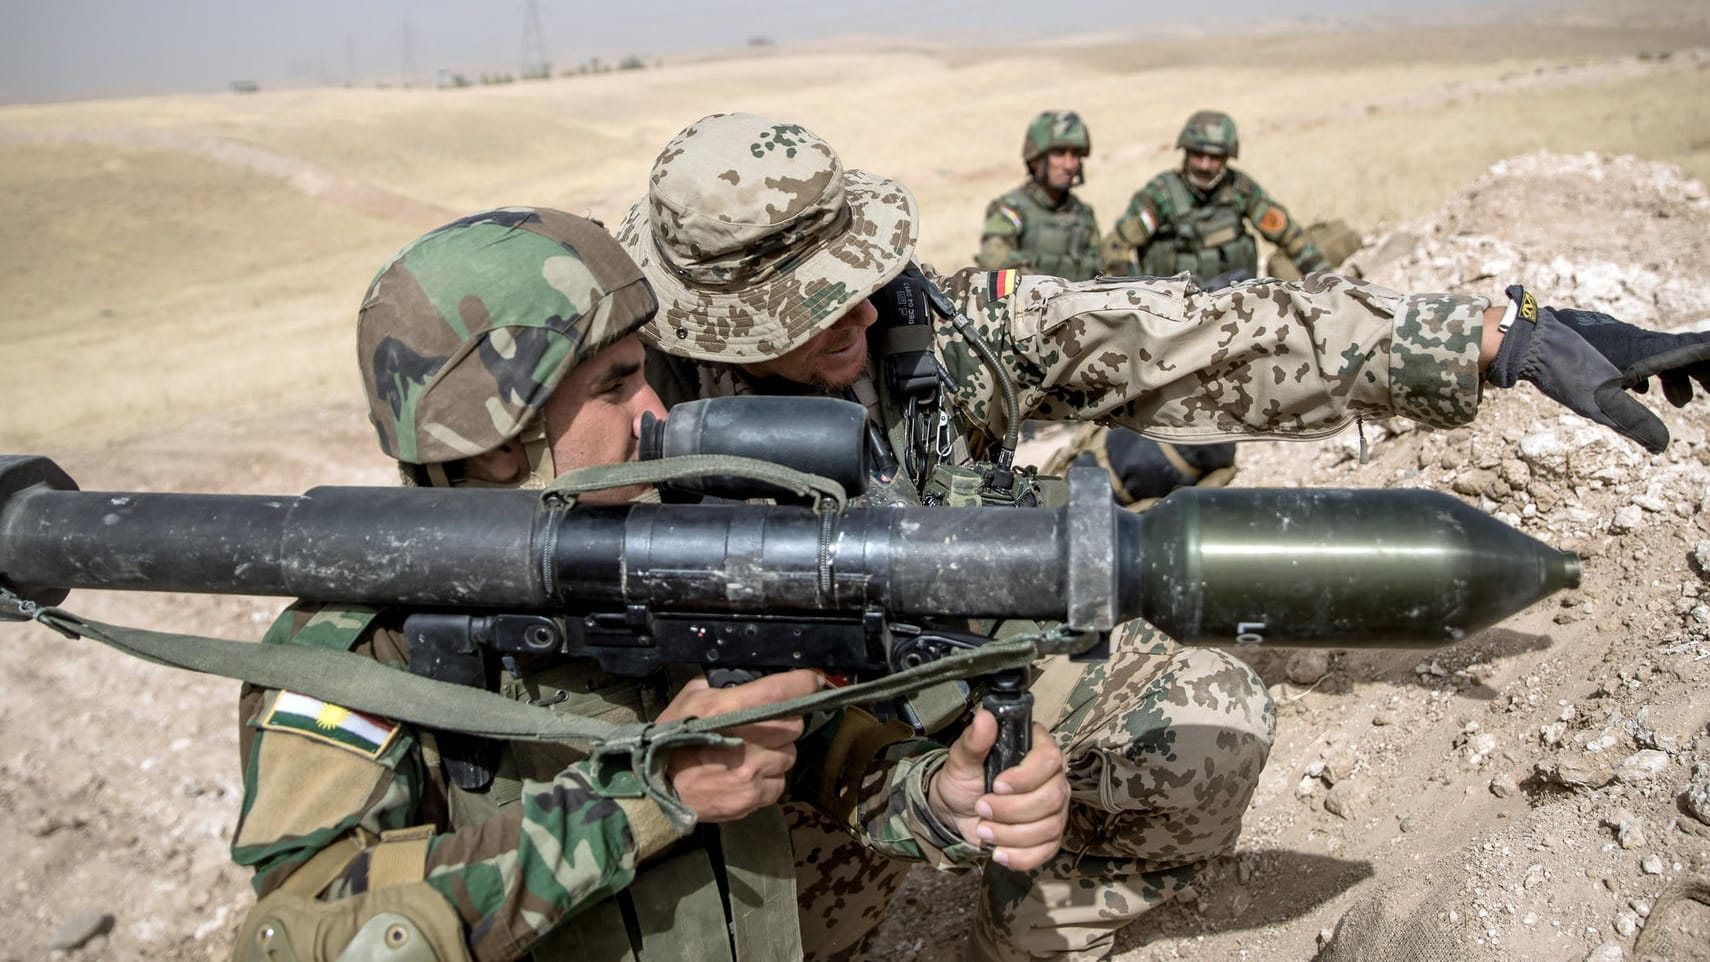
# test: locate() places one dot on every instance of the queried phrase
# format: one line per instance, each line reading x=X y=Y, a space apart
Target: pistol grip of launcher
x=730 y=677
x=1012 y=706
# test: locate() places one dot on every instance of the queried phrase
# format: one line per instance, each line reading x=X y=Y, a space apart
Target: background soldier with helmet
x=1191 y=220
x=1041 y=227
x=500 y=351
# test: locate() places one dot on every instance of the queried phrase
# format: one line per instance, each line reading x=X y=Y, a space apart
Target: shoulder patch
x=1001 y=284
x=1009 y=214
x=1150 y=221
x=1273 y=221
x=366 y=735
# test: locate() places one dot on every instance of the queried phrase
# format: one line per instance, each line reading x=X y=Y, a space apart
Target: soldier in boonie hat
x=756 y=238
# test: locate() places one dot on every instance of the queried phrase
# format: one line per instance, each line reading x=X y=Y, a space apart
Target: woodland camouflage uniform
x=1172 y=226
x=1029 y=230
x=753 y=249
x=357 y=833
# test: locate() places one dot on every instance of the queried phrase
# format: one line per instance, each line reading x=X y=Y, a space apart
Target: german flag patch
x=1002 y=283
x=366 y=735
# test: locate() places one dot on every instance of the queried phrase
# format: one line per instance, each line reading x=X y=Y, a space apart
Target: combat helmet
x=1055 y=129
x=1210 y=132
x=467 y=331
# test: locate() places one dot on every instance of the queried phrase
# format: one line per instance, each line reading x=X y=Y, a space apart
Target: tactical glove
x=1541 y=348
x=1146 y=469
x=1674 y=359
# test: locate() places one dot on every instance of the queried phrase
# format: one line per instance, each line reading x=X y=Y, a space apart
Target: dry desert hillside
x=183 y=272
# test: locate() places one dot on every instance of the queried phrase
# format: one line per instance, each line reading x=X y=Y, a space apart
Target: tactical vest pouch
x=404 y=923
x=964 y=486
x=953 y=485
x=675 y=908
x=1159 y=260
x=760 y=885
x=1222 y=235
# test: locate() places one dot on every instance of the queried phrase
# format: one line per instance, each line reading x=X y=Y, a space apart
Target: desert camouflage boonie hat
x=466 y=332
x=1210 y=132
x=756 y=238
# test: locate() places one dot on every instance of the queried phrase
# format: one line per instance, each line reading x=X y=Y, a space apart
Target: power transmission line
x=534 y=62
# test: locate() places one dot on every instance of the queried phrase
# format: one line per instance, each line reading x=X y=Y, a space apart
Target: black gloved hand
x=1674 y=359
x=1151 y=469
x=1565 y=366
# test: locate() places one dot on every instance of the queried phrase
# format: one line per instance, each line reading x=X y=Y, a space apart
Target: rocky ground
x=1534 y=791
x=1537 y=792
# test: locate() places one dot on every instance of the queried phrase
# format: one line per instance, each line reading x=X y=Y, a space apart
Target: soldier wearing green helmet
x=1041 y=227
x=1191 y=220
x=502 y=350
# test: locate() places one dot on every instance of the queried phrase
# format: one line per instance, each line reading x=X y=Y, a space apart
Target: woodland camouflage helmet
x=1053 y=129
x=466 y=332
x=1210 y=132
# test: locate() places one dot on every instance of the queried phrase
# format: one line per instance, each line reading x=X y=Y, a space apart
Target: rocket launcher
x=861 y=592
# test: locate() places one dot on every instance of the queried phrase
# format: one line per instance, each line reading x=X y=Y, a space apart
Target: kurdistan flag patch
x=366 y=735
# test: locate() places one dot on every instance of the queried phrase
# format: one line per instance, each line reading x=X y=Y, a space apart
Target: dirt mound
x=1628 y=236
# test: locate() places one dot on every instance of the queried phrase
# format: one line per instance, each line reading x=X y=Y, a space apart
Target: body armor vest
x=724 y=892
x=1205 y=236
x=1061 y=241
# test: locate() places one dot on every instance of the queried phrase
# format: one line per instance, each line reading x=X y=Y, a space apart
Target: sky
x=74 y=49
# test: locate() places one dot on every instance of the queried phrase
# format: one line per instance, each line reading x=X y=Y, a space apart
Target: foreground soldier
x=500 y=351
x=1041 y=227
x=1191 y=219
x=771 y=259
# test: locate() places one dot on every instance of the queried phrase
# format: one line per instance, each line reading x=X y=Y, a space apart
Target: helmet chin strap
x=537 y=453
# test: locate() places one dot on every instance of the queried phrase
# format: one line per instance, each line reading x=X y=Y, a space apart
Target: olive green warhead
x=1344 y=568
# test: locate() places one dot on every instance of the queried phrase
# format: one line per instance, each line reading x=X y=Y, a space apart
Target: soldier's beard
x=837 y=386
x=1202 y=182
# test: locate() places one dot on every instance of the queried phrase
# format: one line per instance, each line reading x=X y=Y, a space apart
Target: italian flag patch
x=1002 y=283
x=366 y=735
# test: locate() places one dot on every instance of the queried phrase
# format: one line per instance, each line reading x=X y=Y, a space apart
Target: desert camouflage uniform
x=1026 y=231
x=462 y=338
x=1164 y=747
